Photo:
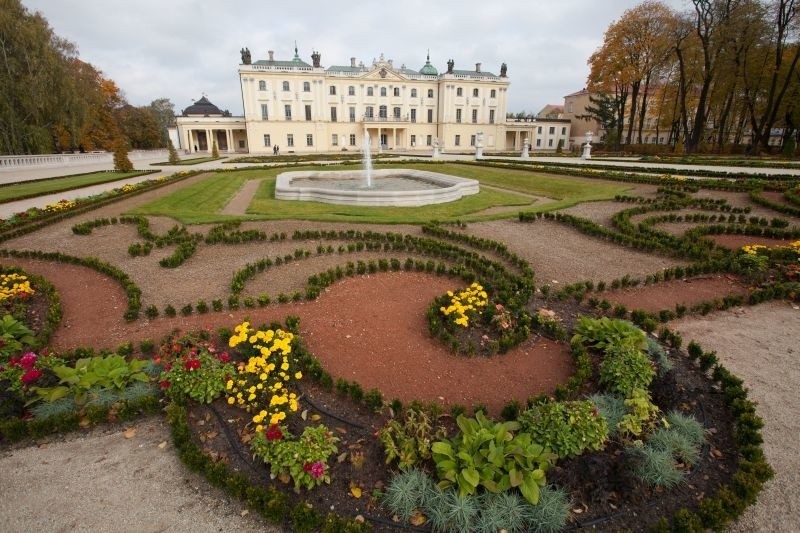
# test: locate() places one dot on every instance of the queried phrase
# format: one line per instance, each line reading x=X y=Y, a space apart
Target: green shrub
x=303 y=459
x=463 y=462
x=169 y=311
x=201 y=378
x=409 y=442
x=151 y=312
x=604 y=332
x=566 y=428
x=625 y=370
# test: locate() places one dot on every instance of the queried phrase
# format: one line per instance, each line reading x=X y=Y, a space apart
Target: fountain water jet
x=367 y=158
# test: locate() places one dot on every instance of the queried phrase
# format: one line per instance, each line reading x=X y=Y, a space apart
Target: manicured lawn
x=29 y=189
x=194 y=161
x=201 y=202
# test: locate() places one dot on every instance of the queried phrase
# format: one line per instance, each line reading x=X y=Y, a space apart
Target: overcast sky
x=182 y=49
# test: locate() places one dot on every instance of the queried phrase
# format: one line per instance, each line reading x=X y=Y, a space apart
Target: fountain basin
x=391 y=187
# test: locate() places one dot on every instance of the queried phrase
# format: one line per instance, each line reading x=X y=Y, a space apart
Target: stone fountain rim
x=451 y=188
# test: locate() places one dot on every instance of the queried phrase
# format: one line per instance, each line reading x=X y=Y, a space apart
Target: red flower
x=165 y=384
x=224 y=357
x=192 y=364
x=274 y=433
x=307 y=467
x=28 y=360
x=317 y=470
x=30 y=376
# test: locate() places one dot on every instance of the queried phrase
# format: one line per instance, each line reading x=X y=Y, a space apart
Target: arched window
x=370 y=92
x=459 y=91
x=396 y=112
x=306 y=87
x=430 y=93
x=383 y=91
x=262 y=85
x=475 y=92
x=397 y=91
x=286 y=86
x=382 y=111
x=369 y=112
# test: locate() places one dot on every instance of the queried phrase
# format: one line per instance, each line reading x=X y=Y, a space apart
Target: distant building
x=302 y=107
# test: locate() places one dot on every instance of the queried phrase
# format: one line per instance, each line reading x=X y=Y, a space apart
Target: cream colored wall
x=321 y=102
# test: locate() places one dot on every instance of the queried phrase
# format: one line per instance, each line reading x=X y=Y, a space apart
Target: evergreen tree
x=173 y=154
x=121 y=161
x=214 y=150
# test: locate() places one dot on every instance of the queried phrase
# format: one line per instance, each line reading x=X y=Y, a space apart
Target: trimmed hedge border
x=133 y=292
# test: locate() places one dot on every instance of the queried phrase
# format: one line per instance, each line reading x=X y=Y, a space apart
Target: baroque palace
x=300 y=107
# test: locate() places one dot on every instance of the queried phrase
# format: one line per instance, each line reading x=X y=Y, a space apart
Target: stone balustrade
x=17 y=162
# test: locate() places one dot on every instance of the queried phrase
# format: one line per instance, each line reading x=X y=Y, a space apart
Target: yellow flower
x=298 y=375
x=231 y=400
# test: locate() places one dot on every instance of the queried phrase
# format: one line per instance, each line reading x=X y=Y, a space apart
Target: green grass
x=201 y=202
x=30 y=189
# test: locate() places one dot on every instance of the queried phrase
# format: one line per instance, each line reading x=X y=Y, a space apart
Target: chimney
x=477 y=67
x=271 y=55
x=353 y=62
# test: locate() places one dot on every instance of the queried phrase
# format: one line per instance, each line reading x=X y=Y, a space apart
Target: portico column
x=208 y=140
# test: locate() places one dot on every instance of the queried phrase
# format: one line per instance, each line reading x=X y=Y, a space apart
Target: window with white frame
x=458 y=140
x=306 y=87
x=333 y=114
x=370 y=91
x=413 y=140
x=334 y=140
x=538 y=143
x=550 y=143
x=383 y=91
x=352 y=139
x=430 y=93
x=262 y=85
x=396 y=112
x=369 y=111
x=493 y=93
x=475 y=93
x=287 y=111
x=414 y=115
x=332 y=90
x=289 y=140
x=309 y=139
x=474 y=116
x=459 y=91
x=429 y=140
x=472 y=140
x=552 y=130
x=563 y=130
x=430 y=116
x=351 y=91
x=382 y=112
x=308 y=112
x=264 y=112
x=396 y=91
x=267 y=141
x=491 y=116
x=413 y=93
x=458 y=115
x=286 y=86
x=352 y=114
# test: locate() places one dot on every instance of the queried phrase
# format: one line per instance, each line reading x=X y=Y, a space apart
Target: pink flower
x=317 y=469
x=28 y=360
x=30 y=376
x=504 y=325
x=499 y=307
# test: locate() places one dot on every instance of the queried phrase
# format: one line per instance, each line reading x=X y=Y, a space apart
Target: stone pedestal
x=587 y=151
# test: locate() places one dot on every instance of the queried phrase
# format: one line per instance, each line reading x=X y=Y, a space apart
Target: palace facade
x=301 y=108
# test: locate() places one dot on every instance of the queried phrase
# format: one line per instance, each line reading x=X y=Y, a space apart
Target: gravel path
x=759 y=344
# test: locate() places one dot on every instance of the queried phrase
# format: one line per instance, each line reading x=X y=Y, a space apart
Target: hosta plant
x=491 y=455
x=303 y=460
x=14 y=336
x=92 y=374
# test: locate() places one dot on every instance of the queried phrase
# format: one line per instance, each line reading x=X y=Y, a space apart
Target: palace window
x=475 y=93
x=493 y=94
x=383 y=91
x=262 y=85
x=472 y=140
x=413 y=93
x=351 y=91
x=413 y=115
x=459 y=91
x=458 y=115
x=430 y=93
x=539 y=130
x=474 y=116
x=287 y=111
x=352 y=114
x=264 y=113
x=396 y=112
x=267 y=142
x=309 y=140
x=333 y=114
x=491 y=116
x=352 y=139
x=458 y=140
x=370 y=91
x=334 y=140
x=429 y=140
x=332 y=90
x=430 y=116
x=538 y=142
x=564 y=130
x=552 y=130
x=308 y=112
x=306 y=87
x=550 y=143
x=369 y=112
x=286 y=86
x=413 y=140
x=382 y=111
x=290 y=140
x=397 y=91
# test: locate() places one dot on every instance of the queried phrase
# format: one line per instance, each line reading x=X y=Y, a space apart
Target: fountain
x=367 y=160
x=385 y=187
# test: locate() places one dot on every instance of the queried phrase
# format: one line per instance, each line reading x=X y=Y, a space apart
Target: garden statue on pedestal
x=479 y=145
x=525 y=148
x=587 y=148
x=436 y=152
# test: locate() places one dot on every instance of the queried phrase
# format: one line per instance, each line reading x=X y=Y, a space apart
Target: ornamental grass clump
x=262 y=383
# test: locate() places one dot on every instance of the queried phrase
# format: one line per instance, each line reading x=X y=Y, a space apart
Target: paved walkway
x=8 y=209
